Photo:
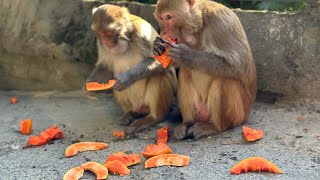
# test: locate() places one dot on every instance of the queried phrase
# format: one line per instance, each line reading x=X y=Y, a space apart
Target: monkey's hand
x=123 y=81
x=158 y=48
x=181 y=54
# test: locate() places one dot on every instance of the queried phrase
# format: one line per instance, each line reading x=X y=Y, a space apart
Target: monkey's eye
x=168 y=17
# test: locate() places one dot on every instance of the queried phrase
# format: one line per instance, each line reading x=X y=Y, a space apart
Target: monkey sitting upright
x=217 y=75
x=125 y=45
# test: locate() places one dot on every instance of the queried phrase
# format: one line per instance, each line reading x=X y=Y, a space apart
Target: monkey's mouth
x=163 y=36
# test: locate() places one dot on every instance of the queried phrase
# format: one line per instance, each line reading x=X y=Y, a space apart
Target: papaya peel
x=26 y=126
x=255 y=164
x=164 y=58
x=167 y=160
x=95 y=86
x=251 y=134
x=84 y=146
x=126 y=159
x=163 y=135
x=155 y=150
x=100 y=170
x=117 y=167
x=44 y=137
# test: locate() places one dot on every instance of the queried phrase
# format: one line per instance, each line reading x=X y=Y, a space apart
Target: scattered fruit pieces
x=154 y=150
x=118 y=134
x=95 y=86
x=51 y=133
x=74 y=173
x=26 y=126
x=14 y=100
x=164 y=58
x=117 y=167
x=250 y=134
x=163 y=135
x=126 y=159
x=84 y=146
x=167 y=160
x=100 y=170
x=255 y=164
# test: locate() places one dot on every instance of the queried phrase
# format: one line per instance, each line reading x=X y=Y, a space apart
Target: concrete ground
x=293 y=145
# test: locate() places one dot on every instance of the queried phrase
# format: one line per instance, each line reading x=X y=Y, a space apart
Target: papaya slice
x=74 y=173
x=167 y=160
x=117 y=167
x=164 y=58
x=44 y=137
x=118 y=134
x=84 y=146
x=95 y=86
x=26 y=126
x=163 y=135
x=100 y=170
x=14 y=100
x=255 y=164
x=250 y=134
x=126 y=159
x=154 y=150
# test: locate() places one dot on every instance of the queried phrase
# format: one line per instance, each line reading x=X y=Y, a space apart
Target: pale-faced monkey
x=217 y=76
x=125 y=45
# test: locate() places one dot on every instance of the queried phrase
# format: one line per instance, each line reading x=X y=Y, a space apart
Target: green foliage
x=272 y=5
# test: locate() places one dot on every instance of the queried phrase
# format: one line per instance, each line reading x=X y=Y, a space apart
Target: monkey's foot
x=129 y=117
x=180 y=131
x=140 y=124
x=126 y=119
x=201 y=129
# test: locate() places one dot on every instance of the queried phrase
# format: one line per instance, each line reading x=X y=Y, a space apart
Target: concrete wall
x=46 y=45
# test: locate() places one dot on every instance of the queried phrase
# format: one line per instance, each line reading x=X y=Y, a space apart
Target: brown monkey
x=125 y=45
x=217 y=77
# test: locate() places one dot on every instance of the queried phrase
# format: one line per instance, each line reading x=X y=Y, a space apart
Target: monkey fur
x=143 y=88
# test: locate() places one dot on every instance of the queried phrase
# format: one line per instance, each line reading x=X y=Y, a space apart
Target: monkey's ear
x=94 y=10
x=191 y=2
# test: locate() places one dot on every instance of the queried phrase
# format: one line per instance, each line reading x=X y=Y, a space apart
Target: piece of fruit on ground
x=167 y=160
x=118 y=134
x=155 y=150
x=44 y=137
x=251 y=134
x=26 y=126
x=84 y=146
x=117 y=167
x=126 y=159
x=74 y=173
x=14 y=100
x=255 y=164
x=100 y=170
x=163 y=135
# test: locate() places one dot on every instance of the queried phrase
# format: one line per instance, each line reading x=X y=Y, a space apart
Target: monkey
x=217 y=76
x=217 y=73
x=125 y=44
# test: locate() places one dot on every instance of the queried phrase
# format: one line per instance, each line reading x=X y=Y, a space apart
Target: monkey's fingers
x=166 y=43
x=158 y=49
x=118 y=86
x=159 y=39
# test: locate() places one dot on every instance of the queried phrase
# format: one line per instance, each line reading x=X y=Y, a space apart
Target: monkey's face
x=178 y=19
x=109 y=25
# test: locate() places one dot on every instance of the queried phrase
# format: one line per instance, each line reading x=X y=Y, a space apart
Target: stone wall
x=48 y=45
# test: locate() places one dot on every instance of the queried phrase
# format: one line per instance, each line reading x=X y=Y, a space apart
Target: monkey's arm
x=146 y=68
x=208 y=62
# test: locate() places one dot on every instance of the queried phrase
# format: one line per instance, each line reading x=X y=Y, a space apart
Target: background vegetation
x=272 y=5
